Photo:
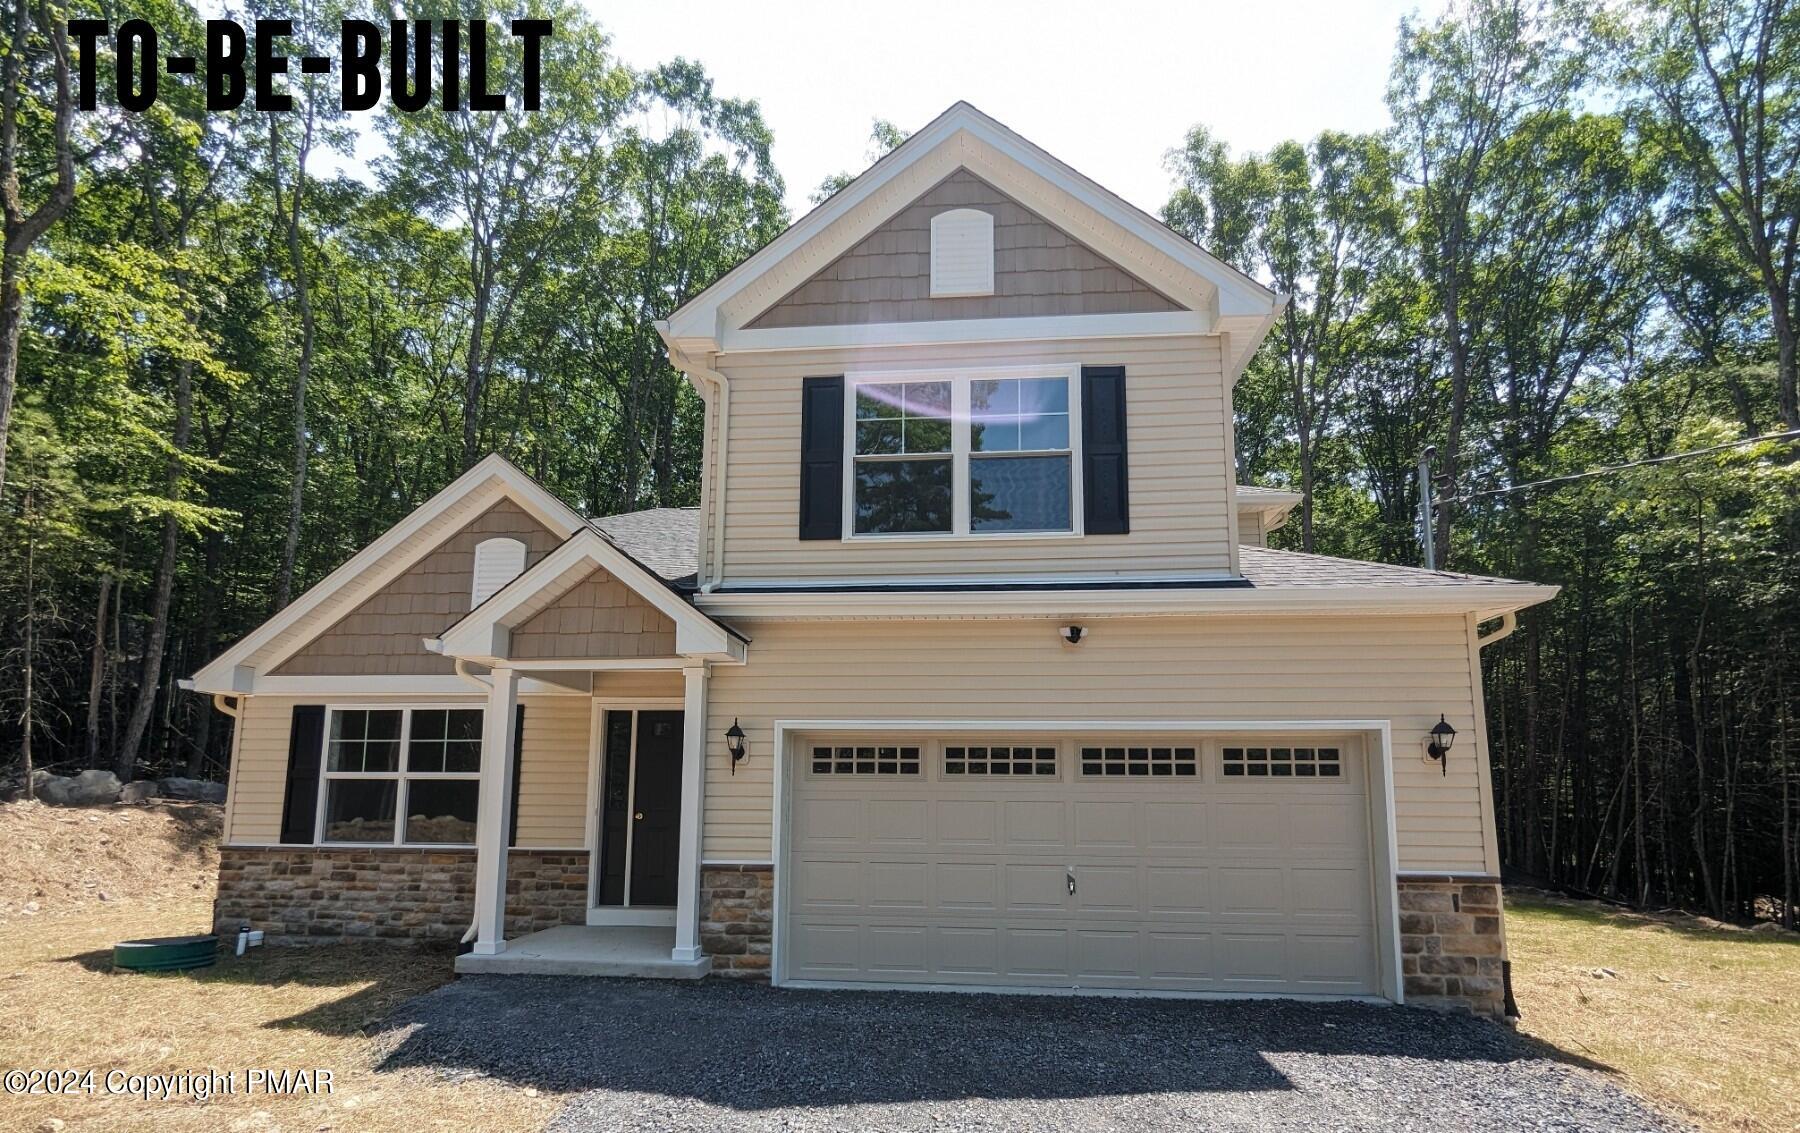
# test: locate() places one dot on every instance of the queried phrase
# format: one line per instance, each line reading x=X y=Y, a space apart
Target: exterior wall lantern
x=736 y=743
x=1439 y=741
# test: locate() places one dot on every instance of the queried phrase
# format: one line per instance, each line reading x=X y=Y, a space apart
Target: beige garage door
x=1149 y=863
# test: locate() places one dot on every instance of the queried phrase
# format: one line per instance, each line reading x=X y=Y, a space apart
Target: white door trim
x=1384 y=850
x=598 y=914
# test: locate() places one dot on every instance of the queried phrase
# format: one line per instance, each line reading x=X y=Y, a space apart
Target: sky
x=1108 y=88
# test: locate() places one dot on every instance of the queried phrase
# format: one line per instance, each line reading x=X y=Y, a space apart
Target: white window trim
x=959 y=380
x=400 y=774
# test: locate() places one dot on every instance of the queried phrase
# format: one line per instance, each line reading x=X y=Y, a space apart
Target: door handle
x=639 y=816
x=1071 y=876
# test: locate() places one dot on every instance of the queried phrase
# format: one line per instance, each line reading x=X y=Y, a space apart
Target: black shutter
x=300 y=802
x=1105 y=472
x=512 y=819
x=822 y=458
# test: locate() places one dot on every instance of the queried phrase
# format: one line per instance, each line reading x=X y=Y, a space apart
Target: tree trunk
x=23 y=230
x=209 y=632
x=290 y=217
x=125 y=766
x=28 y=720
x=97 y=672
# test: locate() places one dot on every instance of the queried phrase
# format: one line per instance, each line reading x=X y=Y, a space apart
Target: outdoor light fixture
x=1439 y=741
x=736 y=745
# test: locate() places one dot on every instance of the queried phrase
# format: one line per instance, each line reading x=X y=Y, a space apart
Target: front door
x=640 y=818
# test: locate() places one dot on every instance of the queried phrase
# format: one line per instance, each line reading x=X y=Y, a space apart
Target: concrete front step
x=589 y=950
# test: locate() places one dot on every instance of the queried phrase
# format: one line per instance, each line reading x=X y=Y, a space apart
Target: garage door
x=1148 y=863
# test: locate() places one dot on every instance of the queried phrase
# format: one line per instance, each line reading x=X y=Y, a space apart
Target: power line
x=1607 y=470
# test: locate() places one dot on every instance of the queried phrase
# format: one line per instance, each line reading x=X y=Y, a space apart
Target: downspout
x=715 y=567
x=1509 y=621
x=237 y=705
x=435 y=645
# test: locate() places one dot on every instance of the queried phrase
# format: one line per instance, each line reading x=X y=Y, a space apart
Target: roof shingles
x=667 y=541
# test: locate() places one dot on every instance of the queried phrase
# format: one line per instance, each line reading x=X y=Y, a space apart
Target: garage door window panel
x=865 y=759
x=1281 y=762
x=1010 y=760
x=1141 y=761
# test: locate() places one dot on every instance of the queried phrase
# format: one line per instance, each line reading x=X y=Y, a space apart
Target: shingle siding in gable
x=384 y=635
x=1038 y=270
x=599 y=617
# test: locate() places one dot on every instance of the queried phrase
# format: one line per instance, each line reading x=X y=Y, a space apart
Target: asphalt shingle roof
x=664 y=539
x=667 y=540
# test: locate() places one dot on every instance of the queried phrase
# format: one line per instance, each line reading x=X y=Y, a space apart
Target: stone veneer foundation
x=1451 y=929
x=737 y=919
x=342 y=893
x=1452 y=944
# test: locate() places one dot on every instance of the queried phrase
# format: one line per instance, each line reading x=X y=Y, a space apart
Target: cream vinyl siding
x=552 y=779
x=1176 y=405
x=1403 y=669
x=1251 y=532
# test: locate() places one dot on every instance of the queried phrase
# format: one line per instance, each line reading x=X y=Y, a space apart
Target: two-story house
x=971 y=668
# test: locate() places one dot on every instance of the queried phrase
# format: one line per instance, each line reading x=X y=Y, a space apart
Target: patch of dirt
x=277 y=1008
x=64 y=861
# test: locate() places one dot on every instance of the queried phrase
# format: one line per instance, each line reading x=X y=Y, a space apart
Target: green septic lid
x=166 y=953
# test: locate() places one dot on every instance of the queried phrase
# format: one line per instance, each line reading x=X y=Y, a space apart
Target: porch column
x=693 y=798
x=494 y=812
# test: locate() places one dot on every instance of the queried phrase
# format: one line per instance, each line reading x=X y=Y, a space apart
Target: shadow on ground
x=375 y=978
x=751 y=1047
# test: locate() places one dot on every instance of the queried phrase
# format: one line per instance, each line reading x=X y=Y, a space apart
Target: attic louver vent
x=497 y=562
x=962 y=253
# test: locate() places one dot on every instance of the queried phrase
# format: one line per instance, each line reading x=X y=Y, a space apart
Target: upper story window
x=966 y=454
x=962 y=253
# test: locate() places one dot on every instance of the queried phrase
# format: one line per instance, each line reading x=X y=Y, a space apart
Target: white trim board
x=963 y=137
x=484 y=635
x=1483 y=599
x=1377 y=762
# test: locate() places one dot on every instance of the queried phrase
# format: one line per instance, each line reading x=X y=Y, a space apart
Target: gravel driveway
x=718 y=1055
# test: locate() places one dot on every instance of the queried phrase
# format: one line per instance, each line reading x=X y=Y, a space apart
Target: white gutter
x=1145 y=602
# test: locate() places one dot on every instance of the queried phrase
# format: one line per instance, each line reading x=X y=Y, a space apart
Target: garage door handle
x=1071 y=873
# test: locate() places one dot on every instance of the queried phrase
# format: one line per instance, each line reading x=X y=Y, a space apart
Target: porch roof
x=484 y=635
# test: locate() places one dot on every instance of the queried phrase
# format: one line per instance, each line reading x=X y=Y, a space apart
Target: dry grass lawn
x=1698 y=1016
x=288 y=1008
x=1701 y=1017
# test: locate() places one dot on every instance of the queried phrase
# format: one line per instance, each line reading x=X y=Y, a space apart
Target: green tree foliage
x=1572 y=250
x=220 y=328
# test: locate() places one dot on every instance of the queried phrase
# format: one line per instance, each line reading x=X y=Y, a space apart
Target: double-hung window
x=963 y=454
x=401 y=776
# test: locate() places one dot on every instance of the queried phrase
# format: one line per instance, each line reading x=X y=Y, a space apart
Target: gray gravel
x=717 y=1055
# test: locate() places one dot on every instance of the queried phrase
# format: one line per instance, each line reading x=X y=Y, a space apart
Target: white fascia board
x=1310 y=601
x=1236 y=293
x=481 y=635
x=421 y=685
x=973 y=140
x=931 y=332
x=492 y=473
x=699 y=317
